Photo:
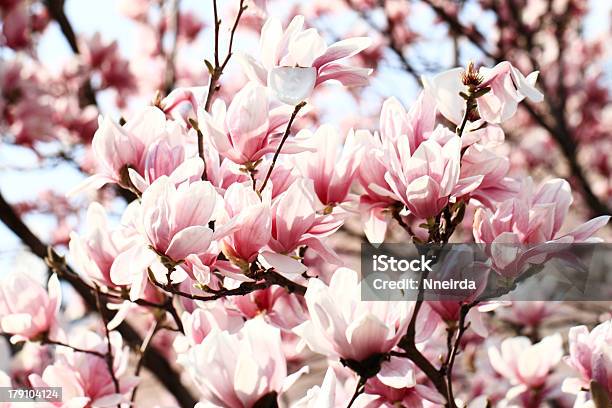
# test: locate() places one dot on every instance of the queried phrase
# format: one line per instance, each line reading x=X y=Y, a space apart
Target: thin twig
x=87 y=95
x=177 y=319
x=109 y=354
x=269 y=278
x=280 y=146
x=455 y=349
x=170 y=74
x=143 y=350
x=217 y=70
x=387 y=32
x=359 y=389
x=80 y=350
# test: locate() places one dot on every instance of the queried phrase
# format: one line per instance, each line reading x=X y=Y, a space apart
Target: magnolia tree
x=208 y=258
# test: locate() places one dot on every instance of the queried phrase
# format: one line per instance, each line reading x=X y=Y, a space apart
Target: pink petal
x=342 y=49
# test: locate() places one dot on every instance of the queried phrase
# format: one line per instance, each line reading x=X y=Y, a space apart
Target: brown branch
x=280 y=146
x=77 y=349
x=448 y=368
x=155 y=362
x=387 y=32
x=87 y=95
x=56 y=11
x=170 y=74
x=472 y=34
x=143 y=350
x=269 y=278
x=217 y=70
x=109 y=350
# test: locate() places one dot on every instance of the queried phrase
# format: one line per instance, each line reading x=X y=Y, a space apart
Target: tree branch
x=170 y=74
x=280 y=146
x=217 y=70
x=87 y=96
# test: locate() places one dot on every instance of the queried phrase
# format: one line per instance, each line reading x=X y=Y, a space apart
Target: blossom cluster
x=226 y=256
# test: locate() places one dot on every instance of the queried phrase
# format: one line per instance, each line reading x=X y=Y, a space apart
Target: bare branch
x=280 y=146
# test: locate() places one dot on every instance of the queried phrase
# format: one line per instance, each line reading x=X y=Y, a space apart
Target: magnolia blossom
x=295 y=223
x=481 y=160
x=173 y=227
x=507 y=87
x=526 y=365
x=323 y=396
x=27 y=310
x=425 y=181
x=395 y=123
x=254 y=225
x=84 y=378
x=120 y=148
x=396 y=384
x=248 y=366
x=341 y=325
x=278 y=307
x=416 y=124
x=330 y=166
x=94 y=252
x=163 y=159
x=249 y=129
x=530 y=219
x=199 y=323
x=590 y=355
x=294 y=61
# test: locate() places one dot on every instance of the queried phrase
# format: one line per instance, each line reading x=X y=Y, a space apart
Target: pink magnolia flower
x=395 y=123
x=199 y=323
x=247 y=364
x=590 y=355
x=296 y=223
x=254 y=220
x=416 y=124
x=527 y=365
x=173 y=226
x=396 y=384
x=330 y=165
x=495 y=186
x=162 y=159
x=27 y=310
x=323 y=396
x=94 y=253
x=119 y=148
x=278 y=307
x=249 y=129
x=531 y=218
x=426 y=180
x=507 y=86
x=85 y=378
x=294 y=61
x=341 y=325
x=528 y=314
